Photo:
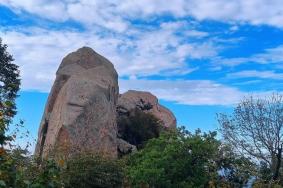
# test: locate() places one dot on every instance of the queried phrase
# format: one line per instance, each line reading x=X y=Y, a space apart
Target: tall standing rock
x=80 y=115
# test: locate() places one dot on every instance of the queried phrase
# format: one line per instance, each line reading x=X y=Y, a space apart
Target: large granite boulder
x=146 y=102
x=80 y=115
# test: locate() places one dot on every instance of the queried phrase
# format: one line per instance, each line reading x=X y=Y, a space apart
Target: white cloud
x=256 y=74
x=53 y=10
x=272 y=55
x=114 y=14
x=39 y=52
x=197 y=51
x=146 y=51
x=101 y=13
x=191 y=92
x=196 y=34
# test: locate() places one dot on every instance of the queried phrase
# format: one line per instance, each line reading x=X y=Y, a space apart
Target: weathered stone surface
x=80 y=114
x=146 y=102
x=125 y=148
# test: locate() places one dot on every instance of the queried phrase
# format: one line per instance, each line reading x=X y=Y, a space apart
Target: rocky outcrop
x=82 y=108
x=146 y=102
x=80 y=114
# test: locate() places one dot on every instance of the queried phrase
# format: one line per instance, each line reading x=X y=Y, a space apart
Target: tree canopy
x=9 y=86
x=255 y=129
x=175 y=159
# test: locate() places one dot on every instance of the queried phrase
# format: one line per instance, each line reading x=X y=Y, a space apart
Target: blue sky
x=199 y=57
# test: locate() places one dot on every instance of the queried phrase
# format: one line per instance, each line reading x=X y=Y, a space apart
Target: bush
x=92 y=171
x=175 y=159
x=84 y=171
x=23 y=171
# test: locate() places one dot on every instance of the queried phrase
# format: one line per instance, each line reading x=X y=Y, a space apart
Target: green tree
x=175 y=159
x=9 y=86
x=255 y=130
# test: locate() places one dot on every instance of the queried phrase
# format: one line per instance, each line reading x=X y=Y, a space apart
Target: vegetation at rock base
x=92 y=171
x=175 y=159
x=182 y=159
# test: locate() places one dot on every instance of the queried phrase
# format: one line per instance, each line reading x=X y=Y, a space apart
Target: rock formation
x=80 y=114
x=82 y=108
x=146 y=102
x=124 y=147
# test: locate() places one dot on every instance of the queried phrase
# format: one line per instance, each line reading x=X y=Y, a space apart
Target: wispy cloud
x=271 y=55
x=256 y=74
x=148 y=38
x=150 y=53
x=191 y=92
x=114 y=14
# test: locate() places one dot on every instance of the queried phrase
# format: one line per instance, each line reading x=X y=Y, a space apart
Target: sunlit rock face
x=148 y=103
x=80 y=114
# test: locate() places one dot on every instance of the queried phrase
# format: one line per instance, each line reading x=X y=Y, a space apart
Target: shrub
x=92 y=171
x=23 y=171
x=175 y=159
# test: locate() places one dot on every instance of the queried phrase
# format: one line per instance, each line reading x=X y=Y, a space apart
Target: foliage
x=81 y=171
x=9 y=86
x=260 y=184
x=20 y=170
x=47 y=174
x=256 y=130
x=13 y=157
x=235 y=171
x=10 y=157
x=10 y=161
x=138 y=127
x=175 y=159
x=23 y=171
x=92 y=171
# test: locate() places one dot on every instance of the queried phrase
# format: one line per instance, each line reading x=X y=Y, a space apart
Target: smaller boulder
x=146 y=102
